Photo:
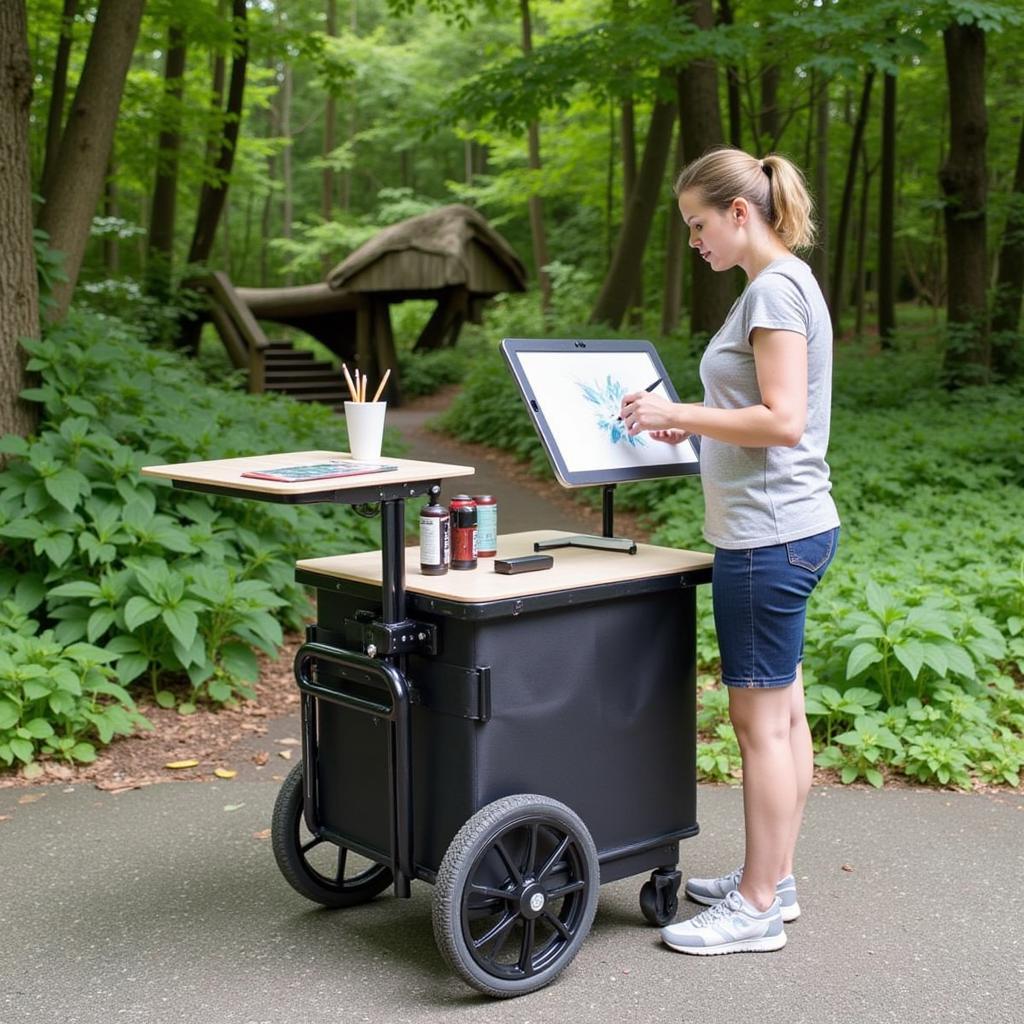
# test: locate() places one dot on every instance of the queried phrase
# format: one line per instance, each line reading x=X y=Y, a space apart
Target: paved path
x=164 y=906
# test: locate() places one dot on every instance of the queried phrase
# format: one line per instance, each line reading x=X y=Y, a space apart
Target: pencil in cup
x=357 y=388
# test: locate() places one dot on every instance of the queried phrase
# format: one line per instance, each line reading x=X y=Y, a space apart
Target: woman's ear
x=739 y=211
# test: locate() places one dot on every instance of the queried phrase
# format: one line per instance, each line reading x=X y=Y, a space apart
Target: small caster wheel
x=659 y=897
x=315 y=866
x=515 y=895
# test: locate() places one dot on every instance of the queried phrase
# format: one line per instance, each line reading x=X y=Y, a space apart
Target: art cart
x=513 y=740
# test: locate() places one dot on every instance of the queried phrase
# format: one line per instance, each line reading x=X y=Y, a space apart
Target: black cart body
x=585 y=695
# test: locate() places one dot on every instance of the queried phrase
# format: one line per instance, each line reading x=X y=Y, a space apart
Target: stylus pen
x=650 y=387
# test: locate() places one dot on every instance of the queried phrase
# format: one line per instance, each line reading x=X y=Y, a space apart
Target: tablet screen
x=573 y=391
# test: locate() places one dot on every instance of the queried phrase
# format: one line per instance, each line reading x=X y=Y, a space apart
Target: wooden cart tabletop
x=227 y=473
x=574 y=567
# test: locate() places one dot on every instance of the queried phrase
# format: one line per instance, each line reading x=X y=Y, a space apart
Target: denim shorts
x=760 y=601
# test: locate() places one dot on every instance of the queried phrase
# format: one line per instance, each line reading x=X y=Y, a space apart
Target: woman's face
x=713 y=233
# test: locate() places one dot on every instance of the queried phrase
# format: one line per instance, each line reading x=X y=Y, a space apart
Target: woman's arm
x=780 y=360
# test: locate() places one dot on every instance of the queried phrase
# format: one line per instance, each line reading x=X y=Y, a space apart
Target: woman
x=764 y=428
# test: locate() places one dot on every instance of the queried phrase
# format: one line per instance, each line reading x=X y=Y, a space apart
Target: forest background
x=144 y=142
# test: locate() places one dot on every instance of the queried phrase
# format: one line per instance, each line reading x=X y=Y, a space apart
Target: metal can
x=486 y=525
x=464 y=550
x=435 y=540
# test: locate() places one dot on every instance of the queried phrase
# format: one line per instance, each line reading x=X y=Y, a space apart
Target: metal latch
x=380 y=639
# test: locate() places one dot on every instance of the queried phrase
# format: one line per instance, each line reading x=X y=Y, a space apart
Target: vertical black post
x=608 y=510
x=392 y=546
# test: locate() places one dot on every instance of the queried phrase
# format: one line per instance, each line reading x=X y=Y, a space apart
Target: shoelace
x=709 y=916
x=735 y=878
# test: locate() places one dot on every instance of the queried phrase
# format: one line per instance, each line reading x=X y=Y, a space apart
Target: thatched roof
x=450 y=246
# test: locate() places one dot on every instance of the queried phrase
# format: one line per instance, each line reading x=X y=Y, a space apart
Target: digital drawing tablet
x=573 y=390
x=318 y=471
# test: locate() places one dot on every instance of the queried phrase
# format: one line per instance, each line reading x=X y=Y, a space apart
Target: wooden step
x=302 y=375
x=332 y=398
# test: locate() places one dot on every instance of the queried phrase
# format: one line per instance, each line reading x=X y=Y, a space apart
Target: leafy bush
x=113 y=577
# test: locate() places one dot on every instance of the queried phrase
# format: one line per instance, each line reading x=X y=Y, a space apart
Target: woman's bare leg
x=803 y=763
x=762 y=720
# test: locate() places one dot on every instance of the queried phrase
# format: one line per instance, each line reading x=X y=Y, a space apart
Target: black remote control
x=523 y=563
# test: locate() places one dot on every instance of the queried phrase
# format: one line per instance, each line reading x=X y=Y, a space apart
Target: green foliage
x=130 y=579
x=54 y=697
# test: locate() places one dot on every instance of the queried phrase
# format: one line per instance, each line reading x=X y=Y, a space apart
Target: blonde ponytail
x=774 y=185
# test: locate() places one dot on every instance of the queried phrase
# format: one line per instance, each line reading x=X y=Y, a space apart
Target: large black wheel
x=321 y=870
x=515 y=894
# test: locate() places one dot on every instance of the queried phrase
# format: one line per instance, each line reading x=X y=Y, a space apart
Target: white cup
x=365 y=422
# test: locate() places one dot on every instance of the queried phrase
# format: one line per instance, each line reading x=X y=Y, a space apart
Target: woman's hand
x=669 y=436
x=644 y=410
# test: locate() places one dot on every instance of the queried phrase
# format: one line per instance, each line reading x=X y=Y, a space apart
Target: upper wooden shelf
x=224 y=476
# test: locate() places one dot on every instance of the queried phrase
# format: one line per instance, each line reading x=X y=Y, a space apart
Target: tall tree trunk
x=963 y=180
x=820 y=254
x=268 y=200
x=330 y=119
x=211 y=199
x=768 y=122
x=711 y=294
x=287 y=164
x=837 y=291
x=536 y=207
x=887 y=218
x=58 y=95
x=350 y=121
x=160 y=253
x=19 y=289
x=111 y=210
x=732 y=83
x=636 y=301
x=1007 y=342
x=85 y=145
x=860 y=269
x=624 y=272
x=672 y=299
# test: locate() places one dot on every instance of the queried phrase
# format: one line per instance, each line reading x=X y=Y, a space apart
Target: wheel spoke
x=315 y=841
x=342 y=856
x=554 y=858
x=490 y=892
x=503 y=927
x=557 y=924
x=526 y=949
x=513 y=869
x=564 y=890
x=531 y=850
x=499 y=946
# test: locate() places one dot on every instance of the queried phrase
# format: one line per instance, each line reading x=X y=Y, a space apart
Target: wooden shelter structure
x=450 y=255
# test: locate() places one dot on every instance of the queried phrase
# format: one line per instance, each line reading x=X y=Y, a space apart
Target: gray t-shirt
x=754 y=497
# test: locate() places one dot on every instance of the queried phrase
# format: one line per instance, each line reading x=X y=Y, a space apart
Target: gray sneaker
x=713 y=890
x=730 y=926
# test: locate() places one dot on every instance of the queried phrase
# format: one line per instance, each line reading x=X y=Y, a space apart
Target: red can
x=463 y=517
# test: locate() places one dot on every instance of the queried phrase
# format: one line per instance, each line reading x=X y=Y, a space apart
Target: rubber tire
x=303 y=878
x=657 y=912
x=470 y=844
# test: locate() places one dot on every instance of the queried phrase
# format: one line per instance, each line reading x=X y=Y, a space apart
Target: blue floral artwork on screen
x=607 y=400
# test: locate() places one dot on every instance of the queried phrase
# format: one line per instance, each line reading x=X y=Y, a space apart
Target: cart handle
x=358 y=667
x=366 y=670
